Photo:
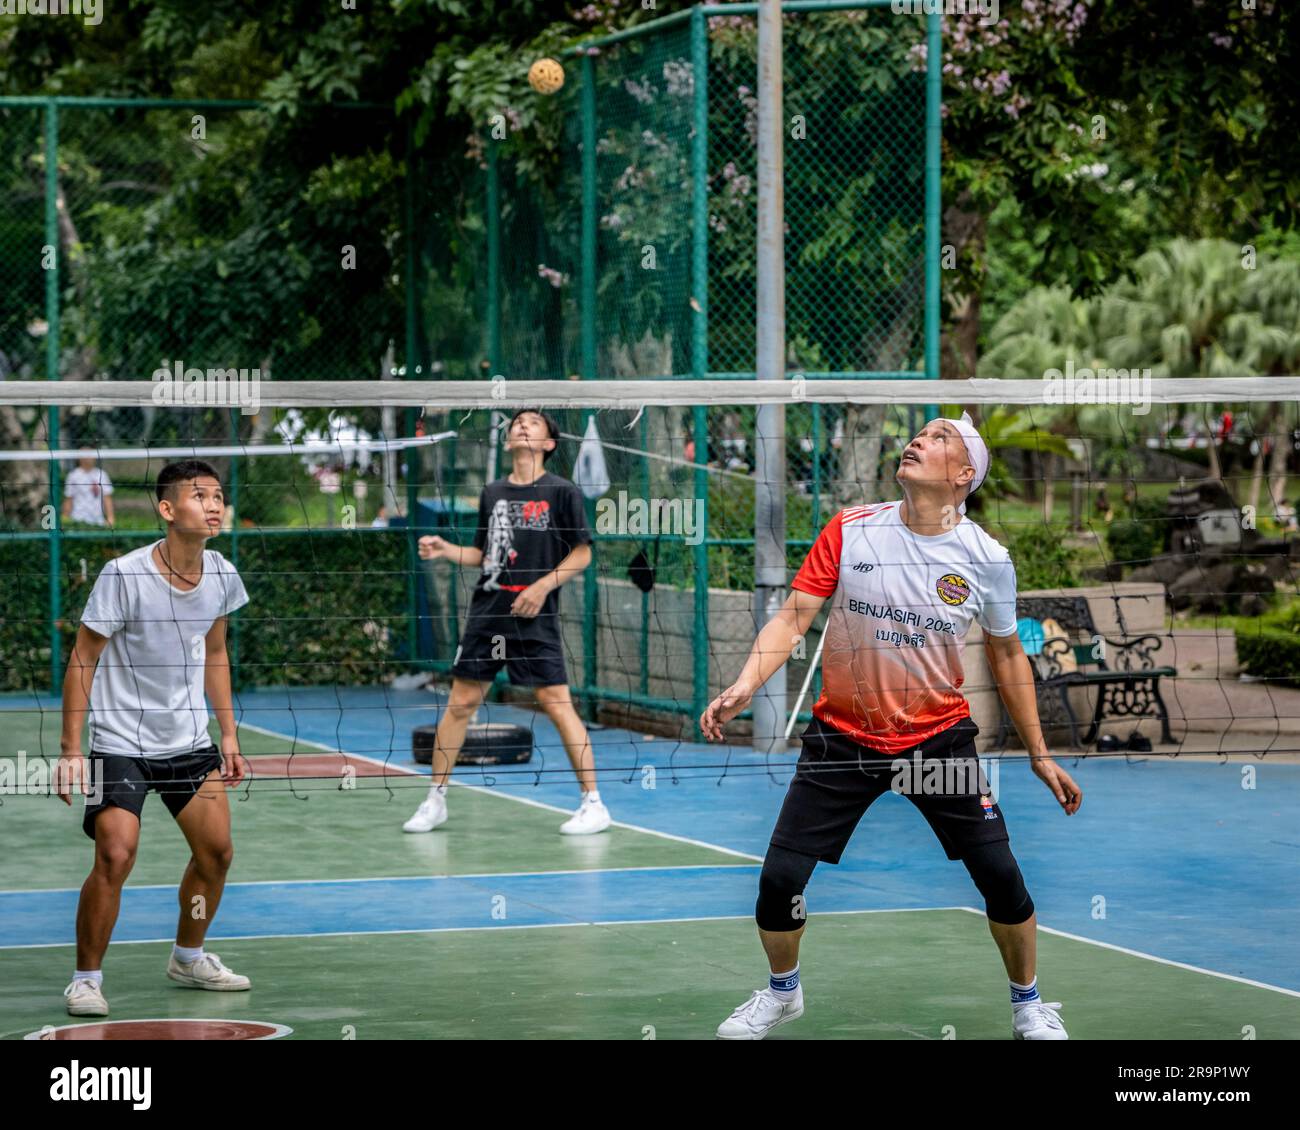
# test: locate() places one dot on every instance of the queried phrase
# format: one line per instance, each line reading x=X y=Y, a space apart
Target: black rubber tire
x=493 y=743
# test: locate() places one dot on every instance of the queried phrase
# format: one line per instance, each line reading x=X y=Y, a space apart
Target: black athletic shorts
x=491 y=642
x=837 y=779
x=124 y=782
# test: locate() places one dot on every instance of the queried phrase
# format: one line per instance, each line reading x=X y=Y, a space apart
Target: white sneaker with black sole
x=431 y=814
x=85 y=998
x=760 y=1014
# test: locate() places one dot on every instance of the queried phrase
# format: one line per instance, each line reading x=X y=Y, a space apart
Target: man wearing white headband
x=977 y=453
x=906 y=580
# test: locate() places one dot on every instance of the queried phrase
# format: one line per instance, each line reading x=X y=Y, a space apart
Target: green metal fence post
x=816 y=467
x=233 y=501
x=700 y=352
x=590 y=593
x=644 y=643
x=52 y=350
x=495 y=359
x=494 y=258
x=933 y=195
x=409 y=370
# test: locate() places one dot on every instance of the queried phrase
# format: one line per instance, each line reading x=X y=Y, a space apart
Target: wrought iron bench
x=1128 y=686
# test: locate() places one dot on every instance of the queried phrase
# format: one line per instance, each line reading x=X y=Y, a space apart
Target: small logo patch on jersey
x=952 y=589
x=986 y=803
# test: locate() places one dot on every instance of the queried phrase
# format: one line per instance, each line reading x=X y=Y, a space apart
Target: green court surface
x=311 y=829
x=905 y=975
x=350 y=929
x=332 y=835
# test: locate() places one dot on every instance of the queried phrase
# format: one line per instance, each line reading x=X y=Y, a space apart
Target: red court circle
x=164 y=1029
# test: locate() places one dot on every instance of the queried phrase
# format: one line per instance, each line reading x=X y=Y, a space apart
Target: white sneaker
x=85 y=998
x=592 y=817
x=759 y=1015
x=1037 y=1021
x=431 y=813
x=206 y=973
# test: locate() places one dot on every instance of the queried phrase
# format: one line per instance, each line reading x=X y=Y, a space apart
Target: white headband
x=977 y=451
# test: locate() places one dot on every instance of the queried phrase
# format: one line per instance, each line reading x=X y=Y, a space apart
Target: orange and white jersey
x=903 y=603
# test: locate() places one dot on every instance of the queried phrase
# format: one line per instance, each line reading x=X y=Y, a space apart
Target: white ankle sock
x=96 y=975
x=187 y=954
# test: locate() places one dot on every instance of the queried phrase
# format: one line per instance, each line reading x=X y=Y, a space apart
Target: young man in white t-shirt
x=907 y=581
x=88 y=493
x=152 y=642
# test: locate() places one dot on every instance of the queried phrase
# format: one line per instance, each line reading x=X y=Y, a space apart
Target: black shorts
x=491 y=642
x=837 y=779
x=124 y=781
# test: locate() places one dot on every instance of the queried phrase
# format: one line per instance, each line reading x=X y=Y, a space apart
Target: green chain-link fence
x=615 y=237
x=214 y=233
x=636 y=255
x=145 y=235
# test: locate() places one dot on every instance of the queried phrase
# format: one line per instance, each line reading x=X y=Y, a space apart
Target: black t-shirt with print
x=524 y=532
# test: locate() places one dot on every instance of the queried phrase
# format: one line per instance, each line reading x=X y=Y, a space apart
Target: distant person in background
x=1104 y=509
x=831 y=474
x=88 y=493
x=380 y=520
x=801 y=465
x=734 y=453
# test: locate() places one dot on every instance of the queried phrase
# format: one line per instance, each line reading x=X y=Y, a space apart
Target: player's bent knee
x=466 y=696
x=216 y=860
x=997 y=877
x=781 y=885
x=114 y=860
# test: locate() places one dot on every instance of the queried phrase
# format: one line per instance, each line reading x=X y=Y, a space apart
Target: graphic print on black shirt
x=524 y=532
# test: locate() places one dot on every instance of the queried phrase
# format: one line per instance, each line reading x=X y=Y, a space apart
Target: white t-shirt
x=147 y=698
x=903 y=603
x=88 y=489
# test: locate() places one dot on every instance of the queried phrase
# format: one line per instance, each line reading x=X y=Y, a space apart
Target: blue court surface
x=1167 y=861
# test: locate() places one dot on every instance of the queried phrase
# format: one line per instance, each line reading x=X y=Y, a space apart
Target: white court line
x=619 y=824
x=657 y=921
x=1153 y=957
x=465 y=929
x=404 y=878
x=504 y=796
